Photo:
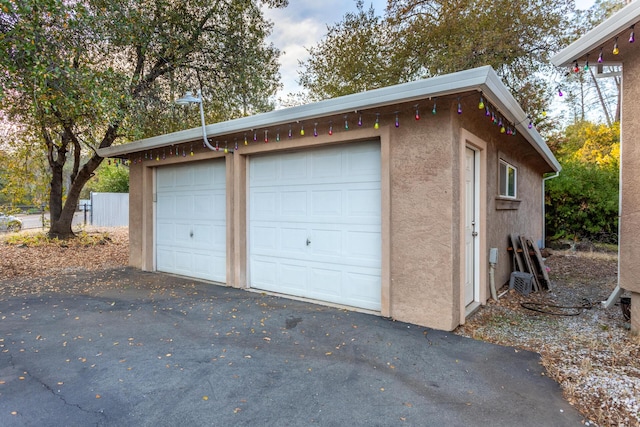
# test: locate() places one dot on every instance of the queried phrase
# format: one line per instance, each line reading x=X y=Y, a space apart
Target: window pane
x=503 y=179
x=511 y=191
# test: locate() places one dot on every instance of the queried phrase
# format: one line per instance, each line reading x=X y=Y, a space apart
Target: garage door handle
x=191 y=233
x=308 y=242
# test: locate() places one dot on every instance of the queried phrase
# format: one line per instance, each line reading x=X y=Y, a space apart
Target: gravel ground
x=590 y=351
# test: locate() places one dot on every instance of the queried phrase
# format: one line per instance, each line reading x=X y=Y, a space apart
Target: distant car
x=10 y=223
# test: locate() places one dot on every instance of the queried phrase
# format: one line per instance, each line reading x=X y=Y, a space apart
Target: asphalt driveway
x=124 y=347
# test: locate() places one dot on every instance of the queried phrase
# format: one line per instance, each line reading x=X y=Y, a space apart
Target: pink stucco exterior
x=422 y=205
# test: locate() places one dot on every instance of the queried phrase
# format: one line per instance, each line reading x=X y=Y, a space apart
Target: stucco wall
x=630 y=178
x=503 y=219
x=421 y=274
x=422 y=222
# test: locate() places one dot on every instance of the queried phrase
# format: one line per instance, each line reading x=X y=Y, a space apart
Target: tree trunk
x=61 y=225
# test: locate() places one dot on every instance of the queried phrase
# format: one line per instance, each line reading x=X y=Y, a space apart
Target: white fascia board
x=482 y=79
x=607 y=30
x=437 y=86
x=499 y=96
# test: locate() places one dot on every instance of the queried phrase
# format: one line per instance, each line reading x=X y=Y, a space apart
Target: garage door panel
x=263 y=238
x=327 y=164
x=293 y=202
x=325 y=197
x=364 y=245
x=326 y=203
x=363 y=202
x=191 y=220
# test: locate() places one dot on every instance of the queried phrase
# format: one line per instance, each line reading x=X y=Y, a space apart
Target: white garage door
x=314 y=224
x=190 y=220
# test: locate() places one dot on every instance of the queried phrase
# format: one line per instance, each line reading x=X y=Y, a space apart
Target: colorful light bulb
x=417 y=114
x=290 y=134
x=481 y=104
x=615 y=47
x=360 y=120
x=600 y=57
x=245 y=140
x=315 y=129
x=217 y=146
x=434 y=110
x=560 y=92
x=346 y=123
x=302 y=130
x=576 y=68
x=278 y=135
x=586 y=66
x=330 y=128
x=632 y=36
x=236 y=146
x=376 y=125
x=459 y=107
x=486 y=111
x=397 y=121
x=266 y=136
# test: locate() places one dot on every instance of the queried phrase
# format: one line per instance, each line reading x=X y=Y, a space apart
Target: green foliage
x=419 y=39
x=83 y=239
x=111 y=177
x=582 y=203
x=78 y=76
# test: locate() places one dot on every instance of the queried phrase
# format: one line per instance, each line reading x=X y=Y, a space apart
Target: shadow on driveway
x=124 y=347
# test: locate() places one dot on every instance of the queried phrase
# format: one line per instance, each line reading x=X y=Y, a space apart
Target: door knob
x=308 y=242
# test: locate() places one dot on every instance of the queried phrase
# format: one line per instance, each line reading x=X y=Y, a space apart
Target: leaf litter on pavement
x=592 y=356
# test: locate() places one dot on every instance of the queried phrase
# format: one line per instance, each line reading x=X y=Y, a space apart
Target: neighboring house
x=613 y=43
x=386 y=201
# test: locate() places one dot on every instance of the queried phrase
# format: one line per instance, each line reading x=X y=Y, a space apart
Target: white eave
x=617 y=23
x=482 y=79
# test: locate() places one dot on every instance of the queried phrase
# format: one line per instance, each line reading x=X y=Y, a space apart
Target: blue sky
x=304 y=22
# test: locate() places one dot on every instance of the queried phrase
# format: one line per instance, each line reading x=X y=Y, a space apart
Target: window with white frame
x=508 y=180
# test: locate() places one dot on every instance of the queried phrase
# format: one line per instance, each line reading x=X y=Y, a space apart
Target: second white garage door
x=315 y=225
x=191 y=220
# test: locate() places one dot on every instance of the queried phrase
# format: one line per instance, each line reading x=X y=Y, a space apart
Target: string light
x=301 y=130
x=226 y=148
x=417 y=113
x=315 y=129
x=600 y=57
x=255 y=136
x=278 y=135
x=290 y=134
x=217 y=146
x=530 y=122
x=576 y=67
x=397 y=121
x=235 y=145
x=346 y=123
x=481 y=104
x=615 y=47
x=330 y=128
x=266 y=136
x=245 y=140
x=486 y=111
x=191 y=154
x=360 y=120
x=459 y=106
x=376 y=125
x=586 y=64
x=434 y=111
x=632 y=36
x=560 y=91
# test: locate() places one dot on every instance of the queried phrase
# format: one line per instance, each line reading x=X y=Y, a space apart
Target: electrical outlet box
x=493 y=255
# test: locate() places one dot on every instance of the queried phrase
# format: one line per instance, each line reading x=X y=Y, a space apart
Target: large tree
x=83 y=75
x=423 y=38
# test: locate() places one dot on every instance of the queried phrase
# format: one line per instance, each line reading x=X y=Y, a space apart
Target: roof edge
x=483 y=79
x=606 y=30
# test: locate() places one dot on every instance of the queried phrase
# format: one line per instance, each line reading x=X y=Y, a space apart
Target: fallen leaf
x=205 y=397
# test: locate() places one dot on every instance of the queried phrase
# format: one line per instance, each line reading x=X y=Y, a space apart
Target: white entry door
x=190 y=220
x=315 y=224
x=471 y=225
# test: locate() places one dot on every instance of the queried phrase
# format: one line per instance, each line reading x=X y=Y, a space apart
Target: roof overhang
x=601 y=36
x=482 y=79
